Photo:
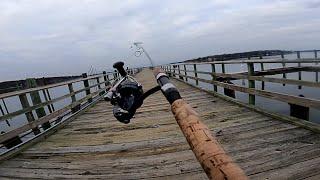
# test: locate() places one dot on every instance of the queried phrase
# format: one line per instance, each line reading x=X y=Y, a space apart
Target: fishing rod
x=210 y=154
x=126 y=95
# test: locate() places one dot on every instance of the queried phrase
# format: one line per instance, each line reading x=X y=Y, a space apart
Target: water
x=265 y=103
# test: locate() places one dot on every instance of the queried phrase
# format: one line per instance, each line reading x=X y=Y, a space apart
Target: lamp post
x=141 y=50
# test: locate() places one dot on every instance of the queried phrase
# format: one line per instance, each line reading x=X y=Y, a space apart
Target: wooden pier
x=91 y=143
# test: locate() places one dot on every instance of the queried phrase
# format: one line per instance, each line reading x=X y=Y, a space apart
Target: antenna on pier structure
x=141 y=50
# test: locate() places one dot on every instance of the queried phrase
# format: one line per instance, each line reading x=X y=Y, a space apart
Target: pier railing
x=37 y=102
x=254 y=70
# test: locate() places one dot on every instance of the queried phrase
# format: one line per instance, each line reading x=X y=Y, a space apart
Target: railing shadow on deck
x=299 y=105
x=16 y=138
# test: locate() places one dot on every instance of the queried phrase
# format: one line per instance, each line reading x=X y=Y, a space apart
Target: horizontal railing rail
x=15 y=93
x=260 y=78
x=299 y=105
x=268 y=94
x=31 y=108
x=93 y=87
x=34 y=124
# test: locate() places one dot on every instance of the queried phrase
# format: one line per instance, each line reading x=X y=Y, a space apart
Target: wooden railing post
x=35 y=98
x=98 y=82
x=261 y=66
x=2 y=113
x=25 y=104
x=316 y=56
x=299 y=73
x=284 y=75
x=223 y=68
x=195 y=73
x=226 y=91
x=262 y=82
x=174 y=70
x=179 y=71
x=73 y=98
x=282 y=55
x=105 y=78
x=7 y=111
x=46 y=98
x=49 y=97
x=298 y=55
x=185 y=72
x=99 y=86
x=86 y=85
x=260 y=55
x=5 y=106
x=214 y=77
x=251 y=82
x=299 y=65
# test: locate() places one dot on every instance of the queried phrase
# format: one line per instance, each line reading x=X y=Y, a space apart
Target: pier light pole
x=141 y=50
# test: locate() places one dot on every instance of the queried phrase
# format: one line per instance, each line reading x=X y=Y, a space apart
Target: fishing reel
x=126 y=95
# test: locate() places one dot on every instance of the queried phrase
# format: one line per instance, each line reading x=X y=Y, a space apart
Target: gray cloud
x=58 y=37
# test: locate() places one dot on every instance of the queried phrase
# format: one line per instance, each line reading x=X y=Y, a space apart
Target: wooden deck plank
x=95 y=145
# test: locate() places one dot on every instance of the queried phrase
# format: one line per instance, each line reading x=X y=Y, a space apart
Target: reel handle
x=119 y=66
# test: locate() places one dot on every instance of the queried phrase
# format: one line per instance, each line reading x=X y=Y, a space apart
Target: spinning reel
x=126 y=95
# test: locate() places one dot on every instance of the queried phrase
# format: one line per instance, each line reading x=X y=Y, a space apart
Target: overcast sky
x=59 y=37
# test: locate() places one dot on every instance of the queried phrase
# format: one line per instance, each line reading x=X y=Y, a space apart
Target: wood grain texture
x=95 y=145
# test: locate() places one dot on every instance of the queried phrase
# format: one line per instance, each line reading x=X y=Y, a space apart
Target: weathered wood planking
x=95 y=145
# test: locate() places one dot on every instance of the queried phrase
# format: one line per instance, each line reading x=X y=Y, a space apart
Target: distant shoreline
x=9 y=86
x=248 y=54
